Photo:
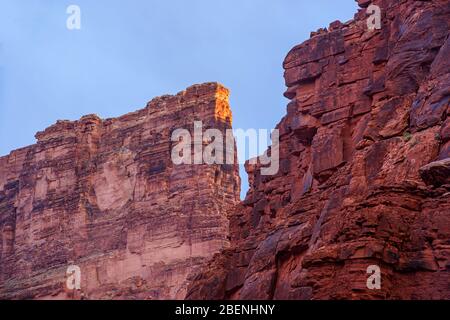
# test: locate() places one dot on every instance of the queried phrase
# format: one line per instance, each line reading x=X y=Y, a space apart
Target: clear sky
x=128 y=52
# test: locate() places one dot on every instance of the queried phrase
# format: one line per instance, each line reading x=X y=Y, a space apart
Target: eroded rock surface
x=104 y=195
x=368 y=110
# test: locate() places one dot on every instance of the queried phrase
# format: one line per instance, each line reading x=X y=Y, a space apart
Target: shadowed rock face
x=363 y=180
x=105 y=195
x=367 y=117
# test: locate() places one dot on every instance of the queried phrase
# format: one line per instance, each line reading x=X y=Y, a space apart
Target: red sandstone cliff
x=105 y=195
x=363 y=180
x=364 y=169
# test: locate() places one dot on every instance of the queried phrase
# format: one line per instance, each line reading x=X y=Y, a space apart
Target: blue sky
x=128 y=52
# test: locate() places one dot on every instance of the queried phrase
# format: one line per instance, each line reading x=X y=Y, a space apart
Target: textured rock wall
x=364 y=169
x=104 y=195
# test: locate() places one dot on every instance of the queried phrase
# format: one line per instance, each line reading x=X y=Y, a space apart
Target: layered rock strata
x=105 y=196
x=364 y=169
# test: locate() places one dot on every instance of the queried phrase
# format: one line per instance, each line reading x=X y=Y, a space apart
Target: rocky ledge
x=368 y=114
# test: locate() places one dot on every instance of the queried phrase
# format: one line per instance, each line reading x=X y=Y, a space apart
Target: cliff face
x=104 y=195
x=364 y=181
x=364 y=169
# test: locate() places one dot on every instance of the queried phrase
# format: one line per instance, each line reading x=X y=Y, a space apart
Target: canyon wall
x=364 y=174
x=364 y=181
x=105 y=196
